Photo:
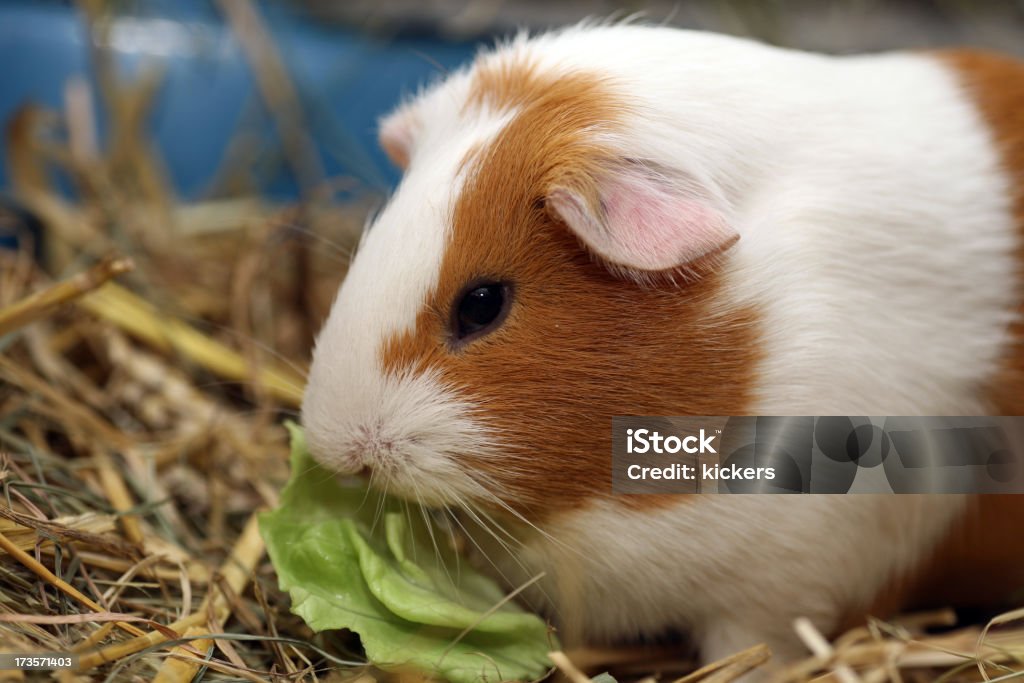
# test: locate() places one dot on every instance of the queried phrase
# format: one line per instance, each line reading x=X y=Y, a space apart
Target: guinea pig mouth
x=375 y=445
x=372 y=450
x=411 y=436
x=411 y=466
x=389 y=463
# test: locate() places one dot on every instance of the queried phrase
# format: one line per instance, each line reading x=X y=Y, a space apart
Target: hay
x=140 y=425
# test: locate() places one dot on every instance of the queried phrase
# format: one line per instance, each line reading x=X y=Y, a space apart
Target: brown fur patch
x=470 y=158
x=579 y=344
x=979 y=563
x=981 y=560
x=996 y=83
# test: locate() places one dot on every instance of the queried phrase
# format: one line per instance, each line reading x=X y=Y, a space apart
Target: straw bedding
x=149 y=351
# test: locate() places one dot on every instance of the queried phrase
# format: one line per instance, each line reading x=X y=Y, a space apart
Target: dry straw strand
x=138 y=318
x=46 y=575
x=43 y=303
x=236 y=571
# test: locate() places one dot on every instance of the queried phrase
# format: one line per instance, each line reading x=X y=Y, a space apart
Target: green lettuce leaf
x=351 y=558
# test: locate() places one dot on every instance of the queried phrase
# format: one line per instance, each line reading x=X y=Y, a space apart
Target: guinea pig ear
x=642 y=221
x=397 y=133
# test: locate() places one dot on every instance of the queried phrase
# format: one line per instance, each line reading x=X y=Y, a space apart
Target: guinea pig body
x=621 y=220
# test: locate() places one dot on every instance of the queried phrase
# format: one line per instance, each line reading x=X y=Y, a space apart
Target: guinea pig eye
x=480 y=309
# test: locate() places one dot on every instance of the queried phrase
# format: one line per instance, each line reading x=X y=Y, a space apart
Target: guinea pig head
x=530 y=278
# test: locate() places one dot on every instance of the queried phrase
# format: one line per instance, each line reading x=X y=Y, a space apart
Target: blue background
x=345 y=79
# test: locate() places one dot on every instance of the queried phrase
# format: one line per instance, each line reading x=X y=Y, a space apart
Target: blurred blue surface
x=345 y=81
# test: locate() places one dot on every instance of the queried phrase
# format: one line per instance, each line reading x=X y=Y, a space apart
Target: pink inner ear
x=645 y=223
x=396 y=137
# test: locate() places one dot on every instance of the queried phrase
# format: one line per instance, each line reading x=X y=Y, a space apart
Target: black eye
x=480 y=309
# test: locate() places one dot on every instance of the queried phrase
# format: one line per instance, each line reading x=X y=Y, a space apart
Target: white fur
x=410 y=427
x=733 y=570
x=876 y=242
x=876 y=229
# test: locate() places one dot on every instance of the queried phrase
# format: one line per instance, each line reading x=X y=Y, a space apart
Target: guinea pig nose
x=344 y=463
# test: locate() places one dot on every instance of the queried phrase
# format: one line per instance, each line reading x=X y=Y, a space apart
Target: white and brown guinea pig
x=625 y=220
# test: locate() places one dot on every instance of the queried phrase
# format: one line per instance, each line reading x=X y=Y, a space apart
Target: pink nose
x=372 y=442
x=340 y=455
x=368 y=448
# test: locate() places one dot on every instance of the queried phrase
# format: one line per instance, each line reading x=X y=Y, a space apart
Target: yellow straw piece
x=140 y=319
x=42 y=303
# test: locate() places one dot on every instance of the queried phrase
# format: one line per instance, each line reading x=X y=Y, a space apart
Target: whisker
x=369 y=490
x=380 y=505
x=241 y=337
x=430 y=531
x=501 y=603
x=482 y=552
x=342 y=253
x=492 y=497
x=408 y=520
x=453 y=541
x=501 y=528
x=508 y=550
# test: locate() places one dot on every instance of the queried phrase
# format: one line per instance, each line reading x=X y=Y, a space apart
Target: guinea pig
x=627 y=220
